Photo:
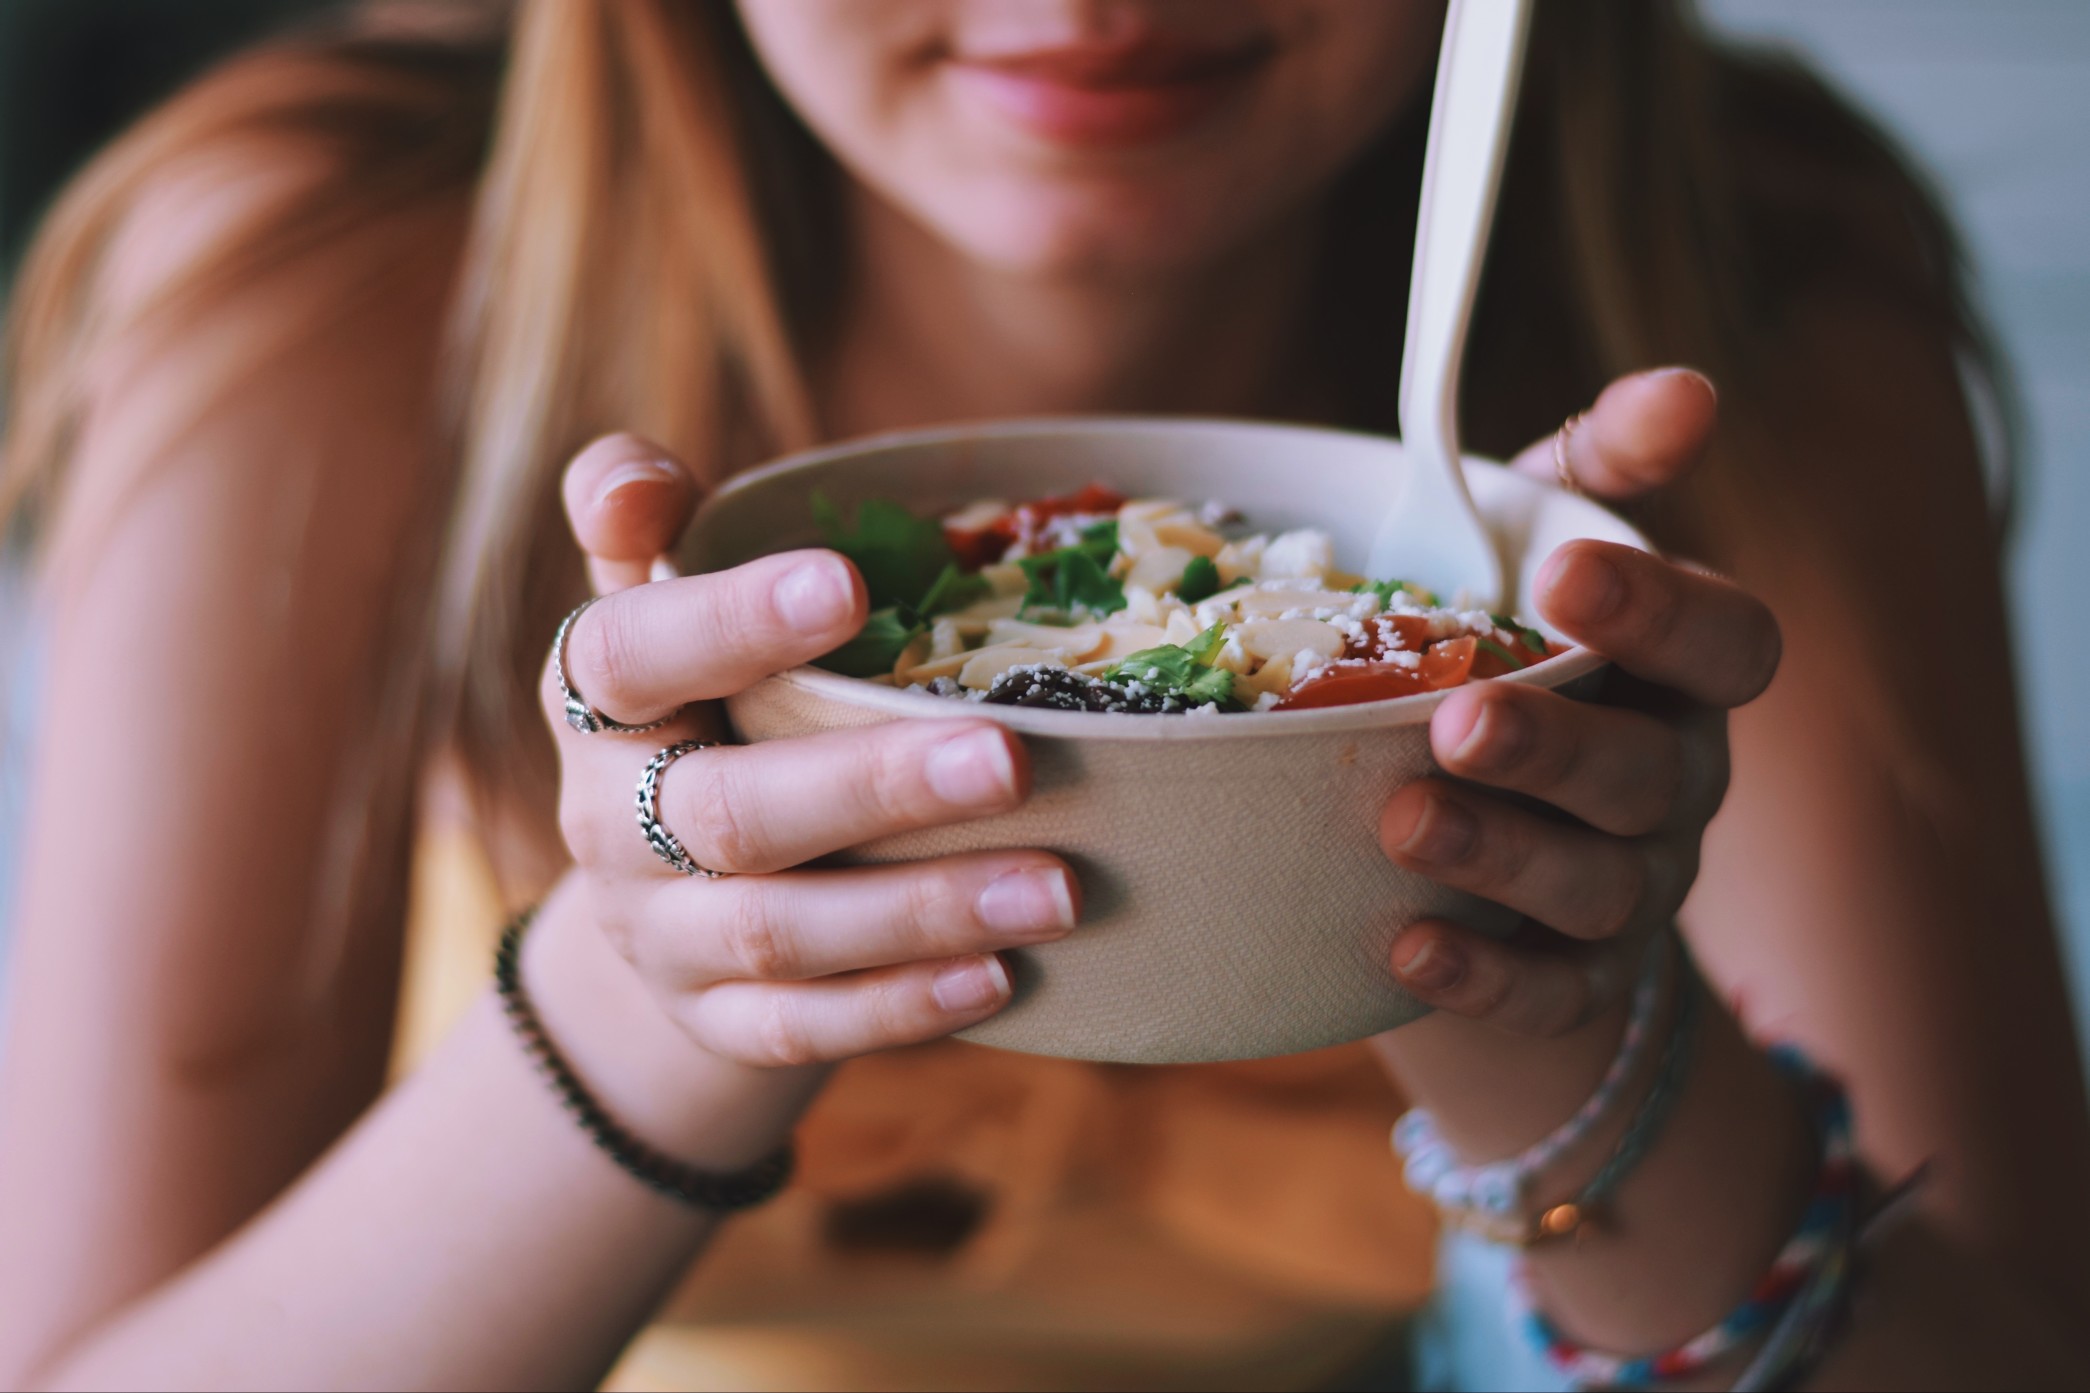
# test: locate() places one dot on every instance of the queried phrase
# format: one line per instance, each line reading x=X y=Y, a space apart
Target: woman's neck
x=928 y=335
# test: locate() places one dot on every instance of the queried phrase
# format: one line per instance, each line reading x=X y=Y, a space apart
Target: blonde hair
x=653 y=234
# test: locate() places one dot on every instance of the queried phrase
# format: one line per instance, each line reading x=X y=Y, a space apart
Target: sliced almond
x=1273 y=676
x=916 y=651
x=1268 y=604
x=990 y=663
x=1077 y=642
x=977 y=615
x=977 y=517
x=1271 y=638
x=946 y=636
x=1123 y=640
x=1190 y=536
x=1181 y=628
x=1239 y=559
x=1159 y=569
x=1006 y=580
x=1149 y=510
x=929 y=669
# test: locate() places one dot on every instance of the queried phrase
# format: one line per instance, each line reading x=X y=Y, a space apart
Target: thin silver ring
x=666 y=845
x=1562 y=470
x=581 y=716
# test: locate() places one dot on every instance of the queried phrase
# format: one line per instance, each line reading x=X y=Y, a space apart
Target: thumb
x=1646 y=431
x=627 y=500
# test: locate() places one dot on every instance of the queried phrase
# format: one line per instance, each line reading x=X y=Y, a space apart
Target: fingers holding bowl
x=1540 y=988
x=818 y=923
x=1571 y=878
x=1687 y=630
x=645 y=651
x=785 y=1024
x=1621 y=771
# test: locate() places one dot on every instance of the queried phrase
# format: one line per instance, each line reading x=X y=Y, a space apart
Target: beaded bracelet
x=1567 y=1218
x=1813 y=1265
x=719 y=1192
x=1498 y=1188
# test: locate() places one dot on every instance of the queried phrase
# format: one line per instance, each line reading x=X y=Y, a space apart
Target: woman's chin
x=1107 y=235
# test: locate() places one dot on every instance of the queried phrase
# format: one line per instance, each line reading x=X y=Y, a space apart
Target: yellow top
x=969 y=1218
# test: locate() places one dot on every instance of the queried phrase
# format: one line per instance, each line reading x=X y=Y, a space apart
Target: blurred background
x=1991 y=96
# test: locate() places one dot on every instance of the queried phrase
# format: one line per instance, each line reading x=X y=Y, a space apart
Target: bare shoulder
x=233 y=328
x=281 y=237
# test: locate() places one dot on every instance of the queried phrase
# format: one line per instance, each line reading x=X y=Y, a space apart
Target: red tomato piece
x=1351 y=685
x=1449 y=663
x=981 y=546
x=1403 y=633
x=1446 y=664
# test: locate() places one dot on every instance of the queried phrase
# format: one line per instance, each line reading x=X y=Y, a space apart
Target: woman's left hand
x=1628 y=783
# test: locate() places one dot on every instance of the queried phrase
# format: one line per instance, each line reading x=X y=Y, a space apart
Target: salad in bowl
x=1091 y=601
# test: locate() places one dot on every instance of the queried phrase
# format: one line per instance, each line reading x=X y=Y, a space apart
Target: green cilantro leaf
x=1075 y=581
x=953 y=590
x=900 y=555
x=1530 y=638
x=1184 y=671
x=1200 y=581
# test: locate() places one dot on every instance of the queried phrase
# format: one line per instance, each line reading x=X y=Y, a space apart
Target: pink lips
x=1109 y=95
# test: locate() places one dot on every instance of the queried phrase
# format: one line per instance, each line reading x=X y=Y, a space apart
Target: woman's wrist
x=643 y=1068
x=1696 y=1222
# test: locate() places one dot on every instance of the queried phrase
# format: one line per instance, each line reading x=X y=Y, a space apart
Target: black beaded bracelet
x=718 y=1191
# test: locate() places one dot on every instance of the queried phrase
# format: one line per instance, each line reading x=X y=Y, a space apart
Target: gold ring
x=1562 y=470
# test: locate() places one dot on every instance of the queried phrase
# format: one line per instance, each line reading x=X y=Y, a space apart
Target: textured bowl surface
x=1237 y=903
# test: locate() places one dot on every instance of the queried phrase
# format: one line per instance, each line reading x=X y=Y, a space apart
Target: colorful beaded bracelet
x=1813 y=1262
x=1498 y=1188
x=719 y=1192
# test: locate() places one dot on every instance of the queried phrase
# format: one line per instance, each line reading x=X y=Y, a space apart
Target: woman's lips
x=1108 y=97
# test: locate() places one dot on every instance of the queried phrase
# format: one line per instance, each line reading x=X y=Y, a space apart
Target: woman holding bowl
x=304 y=368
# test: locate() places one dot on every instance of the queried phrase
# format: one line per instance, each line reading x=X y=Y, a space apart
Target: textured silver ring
x=665 y=844
x=581 y=716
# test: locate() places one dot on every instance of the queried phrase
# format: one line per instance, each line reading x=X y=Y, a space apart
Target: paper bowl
x=1237 y=902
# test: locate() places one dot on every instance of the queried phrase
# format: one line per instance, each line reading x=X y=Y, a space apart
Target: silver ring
x=665 y=844
x=581 y=716
x=1562 y=470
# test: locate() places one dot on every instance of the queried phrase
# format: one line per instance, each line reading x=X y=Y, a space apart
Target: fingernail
x=663 y=568
x=1026 y=903
x=1587 y=590
x=1444 y=834
x=1431 y=966
x=1498 y=740
x=815 y=595
x=1688 y=374
x=971 y=985
x=973 y=770
x=637 y=472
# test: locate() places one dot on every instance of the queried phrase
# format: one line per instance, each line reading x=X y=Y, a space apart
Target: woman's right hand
x=775 y=964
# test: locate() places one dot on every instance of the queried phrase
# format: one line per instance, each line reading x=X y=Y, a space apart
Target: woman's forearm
x=465 y=1233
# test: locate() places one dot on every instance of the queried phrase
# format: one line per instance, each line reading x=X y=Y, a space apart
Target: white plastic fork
x=1433 y=535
